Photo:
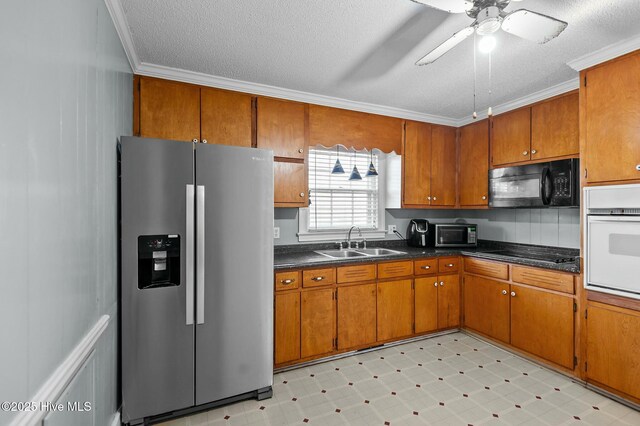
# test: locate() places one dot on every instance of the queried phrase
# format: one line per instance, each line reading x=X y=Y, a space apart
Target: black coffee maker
x=418 y=233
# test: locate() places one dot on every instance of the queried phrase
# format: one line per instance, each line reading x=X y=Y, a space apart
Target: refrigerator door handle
x=200 y=254
x=189 y=250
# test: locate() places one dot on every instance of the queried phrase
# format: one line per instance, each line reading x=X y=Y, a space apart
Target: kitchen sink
x=379 y=252
x=341 y=254
x=372 y=252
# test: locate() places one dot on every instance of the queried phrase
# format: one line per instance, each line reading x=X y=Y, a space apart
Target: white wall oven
x=612 y=239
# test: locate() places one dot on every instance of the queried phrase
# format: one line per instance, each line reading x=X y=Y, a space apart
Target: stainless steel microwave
x=453 y=235
x=549 y=184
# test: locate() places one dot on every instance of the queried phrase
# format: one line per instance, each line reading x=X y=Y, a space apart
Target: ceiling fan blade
x=451 y=6
x=446 y=46
x=533 y=26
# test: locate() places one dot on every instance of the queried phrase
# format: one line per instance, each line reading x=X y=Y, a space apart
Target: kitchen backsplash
x=550 y=227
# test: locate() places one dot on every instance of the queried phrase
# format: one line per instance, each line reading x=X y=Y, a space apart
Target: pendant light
x=355 y=174
x=337 y=168
x=372 y=172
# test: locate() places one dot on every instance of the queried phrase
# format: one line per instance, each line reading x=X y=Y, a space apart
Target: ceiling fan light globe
x=488 y=26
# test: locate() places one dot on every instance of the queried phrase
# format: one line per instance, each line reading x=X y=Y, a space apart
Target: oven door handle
x=610 y=219
x=546 y=191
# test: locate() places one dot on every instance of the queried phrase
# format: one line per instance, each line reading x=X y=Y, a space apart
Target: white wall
x=549 y=227
x=65 y=97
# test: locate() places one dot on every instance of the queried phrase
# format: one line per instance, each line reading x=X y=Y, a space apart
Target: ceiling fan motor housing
x=489 y=20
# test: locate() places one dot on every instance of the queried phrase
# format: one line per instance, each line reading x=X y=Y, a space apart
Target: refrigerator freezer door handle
x=200 y=254
x=189 y=250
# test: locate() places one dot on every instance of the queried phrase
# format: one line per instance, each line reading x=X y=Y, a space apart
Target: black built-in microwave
x=550 y=184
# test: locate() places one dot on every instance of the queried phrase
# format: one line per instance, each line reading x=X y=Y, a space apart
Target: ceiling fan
x=489 y=16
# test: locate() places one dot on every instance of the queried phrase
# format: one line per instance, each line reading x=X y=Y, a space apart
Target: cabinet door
x=542 y=324
x=318 y=322
x=443 y=166
x=287 y=327
x=426 y=304
x=474 y=164
x=511 y=137
x=290 y=184
x=416 y=182
x=225 y=117
x=356 y=315
x=395 y=309
x=486 y=307
x=169 y=110
x=554 y=128
x=281 y=127
x=612 y=103
x=448 y=301
x=613 y=345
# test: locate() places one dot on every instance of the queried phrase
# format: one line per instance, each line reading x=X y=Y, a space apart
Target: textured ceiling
x=365 y=50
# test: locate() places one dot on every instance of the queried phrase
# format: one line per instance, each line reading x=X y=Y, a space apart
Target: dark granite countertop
x=304 y=255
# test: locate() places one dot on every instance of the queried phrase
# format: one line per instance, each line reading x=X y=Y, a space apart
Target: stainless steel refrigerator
x=196 y=276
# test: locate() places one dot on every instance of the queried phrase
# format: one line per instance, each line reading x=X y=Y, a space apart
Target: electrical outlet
x=392 y=229
x=276 y=232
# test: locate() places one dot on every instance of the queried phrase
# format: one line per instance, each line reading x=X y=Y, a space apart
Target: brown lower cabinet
x=613 y=348
x=395 y=309
x=287 y=327
x=356 y=315
x=437 y=303
x=318 y=322
x=486 y=307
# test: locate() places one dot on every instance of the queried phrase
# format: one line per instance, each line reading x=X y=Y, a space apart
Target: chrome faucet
x=349 y=236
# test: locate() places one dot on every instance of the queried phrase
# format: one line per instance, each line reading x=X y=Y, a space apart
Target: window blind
x=336 y=203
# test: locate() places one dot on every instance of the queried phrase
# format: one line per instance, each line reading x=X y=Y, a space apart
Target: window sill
x=332 y=236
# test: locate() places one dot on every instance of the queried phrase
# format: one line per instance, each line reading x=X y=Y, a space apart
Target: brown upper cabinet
x=554 y=128
x=184 y=112
x=331 y=126
x=474 y=164
x=511 y=137
x=429 y=169
x=611 y=120
x=545 y=130
x=290 y=184
x=281 y=127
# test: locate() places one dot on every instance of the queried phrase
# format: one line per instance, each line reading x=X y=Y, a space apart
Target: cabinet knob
x=441 y=283
x=302 y=194
x=435 y=284
x=637 y=168
x=525 y=152
x=504 y=292
x=533 y=151
x=434 y=198
x=426 y=267
x=513 y=294
x=429 y=198
x=287 y=282
x=317 y=279
x=204 y=141
x=195 y=140
x=484 y=197
x=300 y=150
x=449 y=265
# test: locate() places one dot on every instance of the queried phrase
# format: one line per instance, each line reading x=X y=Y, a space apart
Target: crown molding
x=122 y=28
x=209 y=80
x=606 y=53
x=540 y=95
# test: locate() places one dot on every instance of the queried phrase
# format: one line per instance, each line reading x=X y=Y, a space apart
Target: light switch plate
x=276 y=232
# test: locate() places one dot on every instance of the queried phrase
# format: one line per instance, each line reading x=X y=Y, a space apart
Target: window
x=336 y=203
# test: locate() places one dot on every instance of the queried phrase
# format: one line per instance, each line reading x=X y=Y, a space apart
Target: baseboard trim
x=53 y=388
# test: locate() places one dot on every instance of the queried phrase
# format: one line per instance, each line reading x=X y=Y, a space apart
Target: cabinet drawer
x=545 y=279
x=352 y=274
x=448 y=264
x=318 y=277
x=287 y=280
x=488 y=269
x=395 y=269
x=425 y=267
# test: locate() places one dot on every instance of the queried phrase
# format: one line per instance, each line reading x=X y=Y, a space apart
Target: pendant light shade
x=372 y=172
x=337 y=168
x=355 y=174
